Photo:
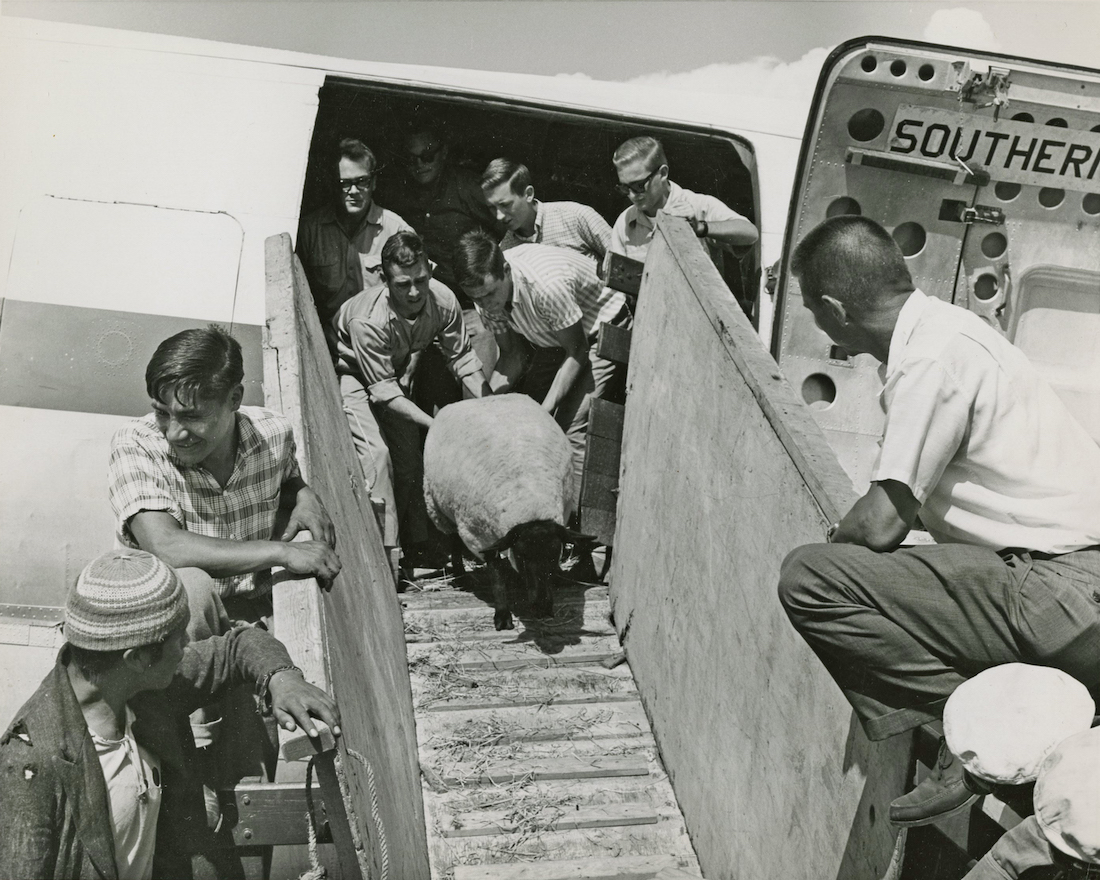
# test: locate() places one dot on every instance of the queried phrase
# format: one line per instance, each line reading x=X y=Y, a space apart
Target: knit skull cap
x=1067 y=796
x=1005 y=720
x=124 y=599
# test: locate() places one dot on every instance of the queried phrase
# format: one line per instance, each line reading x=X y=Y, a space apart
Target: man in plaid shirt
x=545 y=306
x=509 y=191
x=201 y=480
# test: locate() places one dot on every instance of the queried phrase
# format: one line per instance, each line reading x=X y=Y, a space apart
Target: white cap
x=1004 y=721
x=1067 y=796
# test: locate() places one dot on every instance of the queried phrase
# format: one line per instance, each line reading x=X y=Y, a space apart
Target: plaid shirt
x=567 y=225
x=553 y=288
x=144 y=474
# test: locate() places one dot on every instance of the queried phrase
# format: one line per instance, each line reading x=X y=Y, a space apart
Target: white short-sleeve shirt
x=633 y=230
x=982 y=441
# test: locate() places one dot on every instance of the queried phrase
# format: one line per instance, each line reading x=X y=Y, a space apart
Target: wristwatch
x=701 y=228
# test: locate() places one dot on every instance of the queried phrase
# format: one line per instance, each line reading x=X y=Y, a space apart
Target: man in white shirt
x=642 y=169
x=1001 y=475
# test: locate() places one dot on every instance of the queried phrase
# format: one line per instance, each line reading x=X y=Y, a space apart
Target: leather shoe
x=948 y=789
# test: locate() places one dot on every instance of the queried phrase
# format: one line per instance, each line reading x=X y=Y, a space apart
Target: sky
x=772 y=48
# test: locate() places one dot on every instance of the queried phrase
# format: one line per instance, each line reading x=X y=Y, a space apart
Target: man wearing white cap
x=95 y=768
x=1062 y=839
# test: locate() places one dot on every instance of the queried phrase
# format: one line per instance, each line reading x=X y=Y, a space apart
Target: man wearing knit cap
x=95 y=774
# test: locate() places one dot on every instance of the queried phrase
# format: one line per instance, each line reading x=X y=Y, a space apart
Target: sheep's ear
x=576 y=537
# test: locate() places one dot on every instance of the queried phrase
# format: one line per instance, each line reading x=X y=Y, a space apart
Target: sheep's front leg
x=502 y=617
x=458 y=568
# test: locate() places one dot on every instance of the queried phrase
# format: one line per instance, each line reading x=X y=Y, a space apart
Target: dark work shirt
x=442 y=213
x=338 y=264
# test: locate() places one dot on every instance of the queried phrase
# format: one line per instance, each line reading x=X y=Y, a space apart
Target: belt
x=1042 y=554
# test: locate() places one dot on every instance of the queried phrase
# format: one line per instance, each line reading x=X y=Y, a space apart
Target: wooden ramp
x=535 y=751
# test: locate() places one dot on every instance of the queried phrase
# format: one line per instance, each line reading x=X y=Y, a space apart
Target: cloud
x=764 y=77
x=961 y=27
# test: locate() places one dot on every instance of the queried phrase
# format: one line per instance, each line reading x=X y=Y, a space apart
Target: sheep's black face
x=536 y=554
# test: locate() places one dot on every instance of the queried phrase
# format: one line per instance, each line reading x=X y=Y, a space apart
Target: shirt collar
x=374 y=215
x=675 y=195
x=906 y=323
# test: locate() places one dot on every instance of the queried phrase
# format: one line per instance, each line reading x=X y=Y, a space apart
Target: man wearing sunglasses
x=340 y=245
x=643 y=178
x=443 y=202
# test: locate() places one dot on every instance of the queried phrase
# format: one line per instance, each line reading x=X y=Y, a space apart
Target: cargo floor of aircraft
x=533 y=742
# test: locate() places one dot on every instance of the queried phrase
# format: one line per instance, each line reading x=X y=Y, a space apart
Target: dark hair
x=93 y=665
x=644 y=149
x=401 y=249
x=506 y=171
x=195 y=364
x=357 y=151
x=852 y=259
x=418 y=124
x=477 y=255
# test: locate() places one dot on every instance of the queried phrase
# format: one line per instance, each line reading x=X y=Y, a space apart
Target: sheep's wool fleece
x=493 y=464
x=1005 y=720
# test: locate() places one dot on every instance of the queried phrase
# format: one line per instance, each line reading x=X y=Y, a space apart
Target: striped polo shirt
x=553 y=288
x=568 y=225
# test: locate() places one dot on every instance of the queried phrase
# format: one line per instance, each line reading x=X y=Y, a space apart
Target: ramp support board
x=724 y=471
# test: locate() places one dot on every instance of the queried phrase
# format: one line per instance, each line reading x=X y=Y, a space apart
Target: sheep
x=498 y=474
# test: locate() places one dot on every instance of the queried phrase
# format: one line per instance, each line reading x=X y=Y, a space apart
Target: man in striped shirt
x=509 y=191
x=545 y=306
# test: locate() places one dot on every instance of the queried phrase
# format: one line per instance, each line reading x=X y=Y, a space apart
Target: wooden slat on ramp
x=536 y=753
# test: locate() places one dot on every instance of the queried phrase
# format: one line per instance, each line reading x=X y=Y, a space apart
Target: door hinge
x=983 y=88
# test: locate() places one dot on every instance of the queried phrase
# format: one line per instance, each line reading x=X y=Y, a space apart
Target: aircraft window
x=1006 y=192
x=819 y=391
x=843 y=205
x=986 y=287
x=866 y=125
x=926 y=72
x=869 y=63
x=1049 y=197
x=898 y=67
x=910 y=238
x=1058 y=122
x=1024 y=117
x=994 y=245
x=568 y=153
x=1091 y=203
x=1095 y=128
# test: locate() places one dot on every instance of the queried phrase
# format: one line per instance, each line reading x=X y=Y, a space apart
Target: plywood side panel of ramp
x=355 y=632
x=723 y=472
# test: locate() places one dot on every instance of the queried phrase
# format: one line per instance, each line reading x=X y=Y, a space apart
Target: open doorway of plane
x=568 y=151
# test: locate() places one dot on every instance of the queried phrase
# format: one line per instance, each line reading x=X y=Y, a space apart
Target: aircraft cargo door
x=986 y=171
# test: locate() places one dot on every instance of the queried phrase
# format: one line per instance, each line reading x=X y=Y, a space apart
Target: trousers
x=1024 y=852
x=600 y=379
x=900 y=631
x=390 y=450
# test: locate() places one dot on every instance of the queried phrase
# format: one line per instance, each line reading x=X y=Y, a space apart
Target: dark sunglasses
x=424 y=157
x=359 y=183
x=636 y=186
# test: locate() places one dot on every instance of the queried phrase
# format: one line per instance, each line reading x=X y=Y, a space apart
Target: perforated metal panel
x=986 y=170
